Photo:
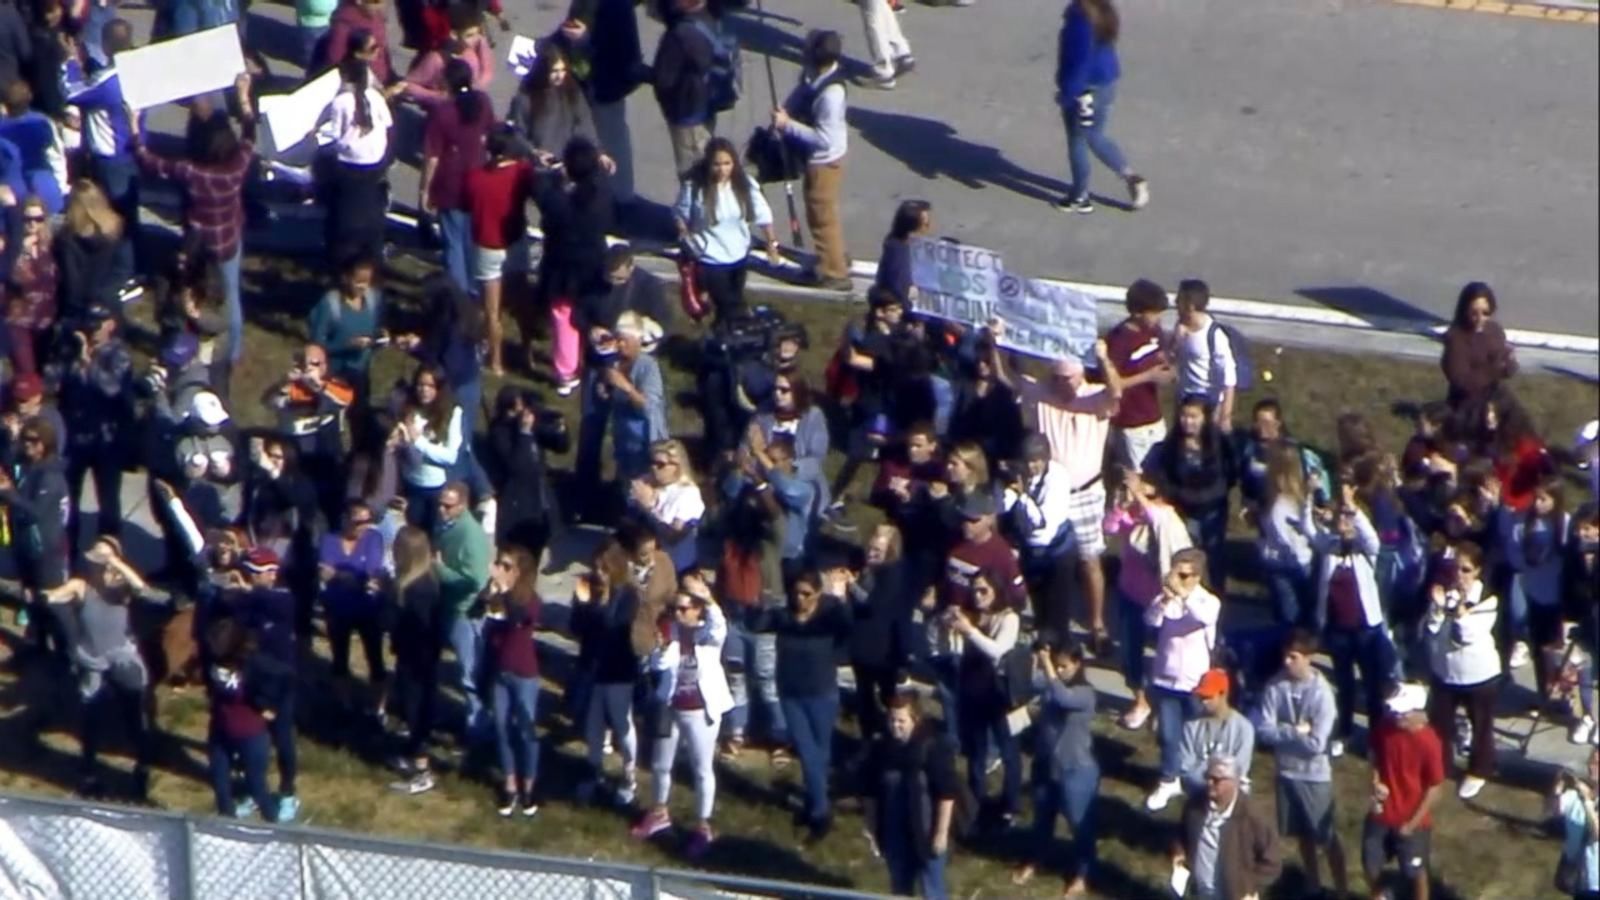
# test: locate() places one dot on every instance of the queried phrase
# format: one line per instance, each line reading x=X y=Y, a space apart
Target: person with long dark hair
x=427 y=84
x=213 y=182
x=912 y=219
x=1467 y=670
x=985 y=632
x=356 y=191
x=1477 y=356
x=1196 y=470
x=1087 y=71
x=429 y=437
x=576 y=212
x=550 y=108
x=452 y=146
x=719 y=206
x=30 y=309
x=521 y=439
x=1066 y=773
x=497 y=195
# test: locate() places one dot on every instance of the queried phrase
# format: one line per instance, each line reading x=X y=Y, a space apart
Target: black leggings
x=724 y=283
x=133 y=704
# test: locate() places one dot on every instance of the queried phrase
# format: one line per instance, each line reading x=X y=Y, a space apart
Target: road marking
x=1511 y=8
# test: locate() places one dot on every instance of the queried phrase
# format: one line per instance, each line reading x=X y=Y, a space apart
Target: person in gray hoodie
x=1221 y=731
x=1066 y=775
x=1296 y=719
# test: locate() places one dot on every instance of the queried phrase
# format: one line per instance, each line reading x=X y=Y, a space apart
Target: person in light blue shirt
x=718 y=210
x=1573 y=805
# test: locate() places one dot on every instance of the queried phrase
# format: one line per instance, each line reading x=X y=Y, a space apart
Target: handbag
x=690 y=294
x=771 y=158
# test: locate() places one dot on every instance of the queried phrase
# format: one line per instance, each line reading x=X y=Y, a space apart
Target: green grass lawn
x=1497 y=855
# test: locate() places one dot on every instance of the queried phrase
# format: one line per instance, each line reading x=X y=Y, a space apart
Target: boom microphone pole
x=795 y=233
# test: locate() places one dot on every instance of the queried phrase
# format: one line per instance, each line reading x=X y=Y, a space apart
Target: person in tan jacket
x=1229 y=851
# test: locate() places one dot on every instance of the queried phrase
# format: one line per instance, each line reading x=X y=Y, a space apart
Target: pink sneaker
x=654 y=822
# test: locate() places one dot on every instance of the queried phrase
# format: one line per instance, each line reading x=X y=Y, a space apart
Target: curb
x=1113 y=295
x=1579 y=13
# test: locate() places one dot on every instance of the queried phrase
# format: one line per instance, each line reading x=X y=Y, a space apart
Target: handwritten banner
x=967 y=284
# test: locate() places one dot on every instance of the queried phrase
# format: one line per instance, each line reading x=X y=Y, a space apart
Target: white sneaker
x=1336 y=748
x=1582 y=731
x=1164 y=793
x=1471 y=786
x=1138 y=192
x=1520 y=656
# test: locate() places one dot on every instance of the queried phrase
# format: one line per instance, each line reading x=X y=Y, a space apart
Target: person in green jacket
x=312 y=17
x=464 y=553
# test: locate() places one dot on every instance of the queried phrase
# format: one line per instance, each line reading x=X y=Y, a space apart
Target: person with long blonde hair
x=670 y=502
x=1287 y=529
x=87 y=250
x=31 y=308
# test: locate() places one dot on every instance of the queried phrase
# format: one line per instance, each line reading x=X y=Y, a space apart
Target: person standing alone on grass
x=1296 y=719
x=814 y=117
x=1086 y=80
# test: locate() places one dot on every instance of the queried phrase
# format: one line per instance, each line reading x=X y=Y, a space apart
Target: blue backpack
x=725 y=78
x=1243 y=367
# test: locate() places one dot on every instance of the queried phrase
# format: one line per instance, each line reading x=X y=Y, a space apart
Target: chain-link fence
x=53 y=849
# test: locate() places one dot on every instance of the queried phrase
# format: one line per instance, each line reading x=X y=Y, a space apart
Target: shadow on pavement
x=1374 y=306
x=932 y=149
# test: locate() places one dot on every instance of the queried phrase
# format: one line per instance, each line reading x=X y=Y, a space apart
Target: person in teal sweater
x=348 y=323
x=463 y=569
x=313 y=18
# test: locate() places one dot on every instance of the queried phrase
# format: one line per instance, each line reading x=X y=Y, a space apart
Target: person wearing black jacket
x=680 y=76
x=1580 y=603
x=46 y=34
x=268 y=611
x=97 y=403
x=811 y=630
x=242 y=696
x=520 y=440
x=627 y=288
x=909 y=799
x=33 y=503
x=607 y=606
x=1196 y=469
x=881 y=633
x=986 y=410
x=576 y=213
x=608 y=48
x=280 y=512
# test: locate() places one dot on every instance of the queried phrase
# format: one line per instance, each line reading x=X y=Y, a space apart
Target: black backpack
x=772 y=159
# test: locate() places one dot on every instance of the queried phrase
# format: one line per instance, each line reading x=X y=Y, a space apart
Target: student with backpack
x=695 y=77
x=1211 y=358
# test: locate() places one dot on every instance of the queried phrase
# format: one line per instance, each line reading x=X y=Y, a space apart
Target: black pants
x=416 y=670
x=98 y=710
x=1479 y=700
x=1051 y=582
x=357 y=203
x=725 y=285
x=104 y=462
x=874 y=688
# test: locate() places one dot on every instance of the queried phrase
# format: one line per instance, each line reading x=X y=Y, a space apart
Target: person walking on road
x=1086 y=81
x=814 y=117
x=891 y=52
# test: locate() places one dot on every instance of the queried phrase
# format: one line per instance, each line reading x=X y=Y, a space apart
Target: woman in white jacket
x=692 y=694
x=1466 y=662
x=1184 y=616
x=1349 y=613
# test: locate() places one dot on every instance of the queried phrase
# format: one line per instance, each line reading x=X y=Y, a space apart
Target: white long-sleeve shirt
x=727 y=240
x=1199 y=370
x=1046 y=506
x=354 y=146
x=429 y=458
x=1464 y=651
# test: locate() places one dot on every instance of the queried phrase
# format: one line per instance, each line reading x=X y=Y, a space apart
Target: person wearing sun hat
x=1220 y=730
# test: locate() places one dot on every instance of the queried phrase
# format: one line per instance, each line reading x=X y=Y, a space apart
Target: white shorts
x=489 y=264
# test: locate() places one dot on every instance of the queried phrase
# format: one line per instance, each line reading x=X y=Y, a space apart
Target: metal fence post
x=655 y=884
x=186 y=860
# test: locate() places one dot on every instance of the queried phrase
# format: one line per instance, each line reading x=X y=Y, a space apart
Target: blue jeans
x=455 y=238
x=1083 y=140
x=1370 y=649
x=1516 y=626
x=1208 y=529
x=310 y=37
x=1134 y=635
x=811 y=721
x=251 y=753
x=1172 y=710
x=233 y=304
x=465 y=637
x=591 y=434
x=909 y=874
x=753 y=661
x=1289 y=587
x=422 y=505
x=1072 y=796
x=516 y=702
x=983 y=727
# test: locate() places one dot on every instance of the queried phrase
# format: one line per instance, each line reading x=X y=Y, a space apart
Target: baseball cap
x=1214 y=683
x=207 y=407
x=1408 y=698
x=260 y=559
x=27 y=387
x=180 y=350
x=977 y=504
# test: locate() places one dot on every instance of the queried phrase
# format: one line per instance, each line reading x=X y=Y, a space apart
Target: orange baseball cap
x=1213 y=683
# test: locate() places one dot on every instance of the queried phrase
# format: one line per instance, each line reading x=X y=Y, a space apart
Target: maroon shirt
x=458 y=146
x=511 y=642
x=1134 y=350
x=967 y=559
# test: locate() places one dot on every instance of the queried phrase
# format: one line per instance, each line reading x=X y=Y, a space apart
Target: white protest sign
x=290 y=117
x=523 y=51
x=181 y=68
x=970 y=285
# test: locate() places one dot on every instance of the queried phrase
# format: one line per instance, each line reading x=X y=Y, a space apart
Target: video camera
x=749 y=336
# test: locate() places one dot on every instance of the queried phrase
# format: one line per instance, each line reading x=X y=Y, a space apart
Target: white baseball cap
x=1409 y=698
x=208 y=408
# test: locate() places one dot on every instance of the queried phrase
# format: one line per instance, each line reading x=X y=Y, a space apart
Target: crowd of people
x=1032 y=523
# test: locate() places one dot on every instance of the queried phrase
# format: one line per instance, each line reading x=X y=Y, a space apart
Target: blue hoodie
x=1081 y=62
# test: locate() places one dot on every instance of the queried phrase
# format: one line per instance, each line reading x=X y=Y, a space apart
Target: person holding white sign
x=357 y=123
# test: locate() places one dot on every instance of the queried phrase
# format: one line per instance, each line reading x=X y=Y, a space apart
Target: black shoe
x=141 y=784
x=505 y=802
x=1080 y=205
x=529 y=807
x=905 y=65
x=818 y=831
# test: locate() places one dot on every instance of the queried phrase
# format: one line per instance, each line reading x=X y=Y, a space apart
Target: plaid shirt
x=213 y=209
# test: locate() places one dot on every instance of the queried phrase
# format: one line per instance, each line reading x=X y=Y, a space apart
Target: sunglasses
x=32 y=439
x=1187 y=576
x=662 y=464
x=33 y=220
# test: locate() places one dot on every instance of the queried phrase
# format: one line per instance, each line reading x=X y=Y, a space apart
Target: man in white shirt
x=1040 y=502
x=1075 y=418
x=814 y=116
x=1205 y=360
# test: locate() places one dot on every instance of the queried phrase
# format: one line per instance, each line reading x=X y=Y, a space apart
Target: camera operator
x=739 y=367
x=627 y=288
x=97 y=403
x=310 y=405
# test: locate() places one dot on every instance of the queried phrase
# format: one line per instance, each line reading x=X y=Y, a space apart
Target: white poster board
x=522 y=54
x=291 y=117
x=970 y=285
x=181 y=68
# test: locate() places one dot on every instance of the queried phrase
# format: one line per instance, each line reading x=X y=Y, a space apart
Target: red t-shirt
x=1134 y=350
x=1409 y=763
x=497 y=200
x=968 y=558
x=1528 y=465
x=458 y=146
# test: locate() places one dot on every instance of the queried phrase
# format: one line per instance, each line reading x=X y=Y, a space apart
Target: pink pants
x=565 y=342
